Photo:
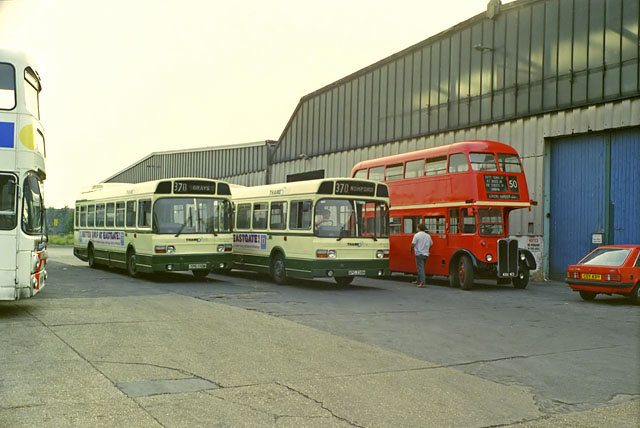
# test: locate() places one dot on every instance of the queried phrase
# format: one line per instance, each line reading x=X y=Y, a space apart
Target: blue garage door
x=595 y=188
x=577 y=199
x=625 y=187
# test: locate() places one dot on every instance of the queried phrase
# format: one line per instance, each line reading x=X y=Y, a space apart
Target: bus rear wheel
x=132 y=267
x=344 y=280
x=522 y=279
x=278 y=269
x=465 y=273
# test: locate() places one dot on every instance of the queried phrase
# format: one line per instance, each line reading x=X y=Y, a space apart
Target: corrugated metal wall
x=535 y=56
x=625 y=187
x=239 y=161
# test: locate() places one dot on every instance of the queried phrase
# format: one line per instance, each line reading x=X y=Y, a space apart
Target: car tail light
x=573 y=275
x=611 y=277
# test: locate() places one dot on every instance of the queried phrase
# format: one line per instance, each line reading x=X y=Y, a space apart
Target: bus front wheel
x=91 y=257
x=522 y=279
x=278 y=269
x=465 y=273
x=132 y=268
x=200 y=273
x=344 y=280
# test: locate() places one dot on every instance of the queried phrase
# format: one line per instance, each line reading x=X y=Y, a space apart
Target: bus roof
x=462 y=146
x=117 y=190
x=307 y=187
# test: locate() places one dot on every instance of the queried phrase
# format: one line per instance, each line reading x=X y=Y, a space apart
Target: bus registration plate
x=197 y=265
x=359 y=272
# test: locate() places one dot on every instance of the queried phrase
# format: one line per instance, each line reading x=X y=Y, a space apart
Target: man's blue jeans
x=420 y=262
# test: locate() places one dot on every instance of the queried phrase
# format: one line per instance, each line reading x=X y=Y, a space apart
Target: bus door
x=401 y=245
x=8 y=235
x=438 y=256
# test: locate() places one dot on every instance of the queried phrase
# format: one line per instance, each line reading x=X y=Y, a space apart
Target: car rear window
x=607 y=257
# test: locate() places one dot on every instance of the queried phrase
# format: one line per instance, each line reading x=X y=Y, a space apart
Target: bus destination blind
x=193 y=187
x=356 y=188
x=501 y=187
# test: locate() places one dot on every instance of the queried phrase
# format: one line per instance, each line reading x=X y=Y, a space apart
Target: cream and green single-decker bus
x=327 y=228
x=180 y=224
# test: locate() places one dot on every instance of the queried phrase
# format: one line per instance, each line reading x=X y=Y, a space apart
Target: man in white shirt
x=420 y=244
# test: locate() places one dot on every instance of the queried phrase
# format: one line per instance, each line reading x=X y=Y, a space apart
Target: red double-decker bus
x=463 y=192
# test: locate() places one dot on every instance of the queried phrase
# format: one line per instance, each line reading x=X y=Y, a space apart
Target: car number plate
x=591 y=276
x=197 y=265
x=358 y=272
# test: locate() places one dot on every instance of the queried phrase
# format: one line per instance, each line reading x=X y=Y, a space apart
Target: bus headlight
x=221 y=248
x=326 y=254
x=171 y=249
x=382 y=254
x=488 y=257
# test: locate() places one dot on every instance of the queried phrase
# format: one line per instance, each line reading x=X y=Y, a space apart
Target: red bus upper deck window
x=509 y=163
x=437 y=165
x=483 y=162
x=376 y=173
x=361 y=173
x=393 y=172
x=414 y=169
x=458 y=163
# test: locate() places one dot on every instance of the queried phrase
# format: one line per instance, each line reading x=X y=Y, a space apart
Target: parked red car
x=609 y=269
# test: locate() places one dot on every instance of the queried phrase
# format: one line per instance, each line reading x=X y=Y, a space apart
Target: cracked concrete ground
x=160 y=359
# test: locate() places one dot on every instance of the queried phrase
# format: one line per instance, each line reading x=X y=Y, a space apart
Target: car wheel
x=344 y=280
x=522 y=279
x=635 y=295
x=465 y=273
x=587 y=295
x=278 y=269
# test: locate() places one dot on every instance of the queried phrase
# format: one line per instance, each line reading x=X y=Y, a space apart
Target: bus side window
x=77 y=219
x=468 y=221
x=131 y=214
x=111 y=213
x=410 y=224
x=91 y=215
x=243 y=216
x=393 y=172
x=83 y=216
x=100 y=215
x=436 y=166
x=376 y=173
x=435 y=224
x=395 y=225
x=300 y=217
x=361 y=173
x=454 y=221
x=458 y=163
x=414 y=169
x=119 y=214
x=260 y=211
x=144 y=213
x=278 y=216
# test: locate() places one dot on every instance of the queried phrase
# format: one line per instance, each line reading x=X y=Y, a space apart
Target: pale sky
x=125 y=78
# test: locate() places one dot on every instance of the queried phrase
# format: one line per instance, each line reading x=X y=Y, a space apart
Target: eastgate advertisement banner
x=102 y=237
x=250 y=241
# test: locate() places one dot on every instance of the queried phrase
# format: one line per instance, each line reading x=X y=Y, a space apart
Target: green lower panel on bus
x=316 y=268
x=175 y=262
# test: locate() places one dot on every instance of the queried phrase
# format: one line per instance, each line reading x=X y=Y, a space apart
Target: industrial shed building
x=556 y=79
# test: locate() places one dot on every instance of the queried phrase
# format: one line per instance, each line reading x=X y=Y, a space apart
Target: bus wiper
x=182 y=227
x=180 y=230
